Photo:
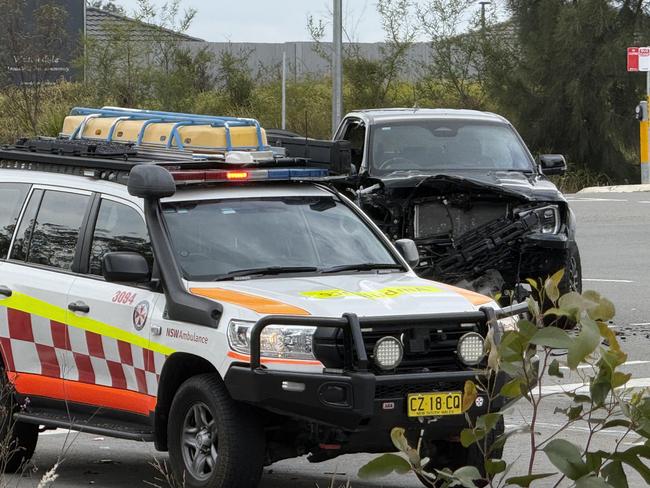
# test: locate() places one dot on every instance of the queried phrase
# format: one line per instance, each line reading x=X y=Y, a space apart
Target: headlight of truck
x=549 y=218
x=276 y=341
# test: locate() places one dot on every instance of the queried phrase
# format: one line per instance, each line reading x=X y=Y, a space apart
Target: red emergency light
x=198 y=176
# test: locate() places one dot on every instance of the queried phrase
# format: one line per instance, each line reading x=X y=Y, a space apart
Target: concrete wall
x=302 y=58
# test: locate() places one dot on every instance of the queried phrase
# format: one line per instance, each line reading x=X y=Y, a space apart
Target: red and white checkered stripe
x=36 y=345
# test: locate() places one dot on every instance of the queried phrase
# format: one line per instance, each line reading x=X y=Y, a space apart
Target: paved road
x=614 y=238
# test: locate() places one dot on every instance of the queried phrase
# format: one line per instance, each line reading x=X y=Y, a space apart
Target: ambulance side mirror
x=409 y=251
x=126 y=267
x=150 y=182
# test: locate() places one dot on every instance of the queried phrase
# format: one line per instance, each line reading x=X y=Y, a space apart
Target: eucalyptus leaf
x=600 y=307
x=566 y=457
x=383 y=466
x=584 y=344
x=399 y=439
x=512 y=389
x=469 y=395
x=554 y=369
x=552 y=337
x=615 y=475
x=467 y=475
x=488 y=421
x=551 y=286
x=525 y=481
x=469 y=437
x=592 y=481
x=495 y=466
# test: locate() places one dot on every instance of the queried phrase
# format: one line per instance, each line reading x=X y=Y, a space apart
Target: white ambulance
x=220 y=301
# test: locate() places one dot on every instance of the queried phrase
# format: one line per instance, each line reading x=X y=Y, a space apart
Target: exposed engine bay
x=483 y=237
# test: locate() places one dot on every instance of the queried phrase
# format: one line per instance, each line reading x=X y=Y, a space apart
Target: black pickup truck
x=463 y=185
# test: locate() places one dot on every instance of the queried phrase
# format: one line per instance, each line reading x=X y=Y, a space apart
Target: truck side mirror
x=552 y=164
x=125 y=267
x=409 y=251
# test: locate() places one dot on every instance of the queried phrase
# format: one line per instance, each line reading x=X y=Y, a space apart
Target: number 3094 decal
x=124 y=297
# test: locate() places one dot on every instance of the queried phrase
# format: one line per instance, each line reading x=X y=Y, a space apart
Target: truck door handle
x=80 y=307
x=6 y=292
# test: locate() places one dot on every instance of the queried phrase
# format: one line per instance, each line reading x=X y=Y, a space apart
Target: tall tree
x=564 y=81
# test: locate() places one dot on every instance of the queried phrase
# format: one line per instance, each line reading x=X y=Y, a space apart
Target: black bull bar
x=352 y=326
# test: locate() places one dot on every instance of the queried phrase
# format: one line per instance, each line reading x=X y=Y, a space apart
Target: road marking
x=602 y=280
x=575 y=428
x=595 y=200
x=583 y=388
x=588 y=366
x=640 y=324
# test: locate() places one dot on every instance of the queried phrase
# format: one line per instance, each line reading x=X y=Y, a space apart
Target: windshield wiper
x=269 y=270
x=362 y=267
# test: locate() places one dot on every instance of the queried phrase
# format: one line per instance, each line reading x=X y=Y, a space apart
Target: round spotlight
x=471 y=348
x=388 y=352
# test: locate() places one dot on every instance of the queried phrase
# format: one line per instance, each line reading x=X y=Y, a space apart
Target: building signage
x=46 y=48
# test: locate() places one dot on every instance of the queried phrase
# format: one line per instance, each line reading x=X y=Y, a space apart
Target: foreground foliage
x=604 y=401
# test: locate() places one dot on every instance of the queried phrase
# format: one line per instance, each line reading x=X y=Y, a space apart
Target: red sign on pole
x=633 y=59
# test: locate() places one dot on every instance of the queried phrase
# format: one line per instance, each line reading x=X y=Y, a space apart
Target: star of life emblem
x=140 y=315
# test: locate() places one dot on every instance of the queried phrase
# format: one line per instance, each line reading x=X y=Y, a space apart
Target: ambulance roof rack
x=178 y=120
x=113 y=162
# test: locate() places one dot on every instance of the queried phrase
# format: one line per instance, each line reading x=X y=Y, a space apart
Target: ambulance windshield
x=217 y=238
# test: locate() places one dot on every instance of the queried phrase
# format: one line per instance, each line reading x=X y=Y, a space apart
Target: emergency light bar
x=193 y=177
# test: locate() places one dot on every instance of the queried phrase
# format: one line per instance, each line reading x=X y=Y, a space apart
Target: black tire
x=224 y=442
x=471 y=456
x=572 y=279
x=17 y=439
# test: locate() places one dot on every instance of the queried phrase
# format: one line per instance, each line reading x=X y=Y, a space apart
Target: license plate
x=433 y=404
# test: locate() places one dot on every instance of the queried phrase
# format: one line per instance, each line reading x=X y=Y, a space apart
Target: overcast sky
x=273 y=20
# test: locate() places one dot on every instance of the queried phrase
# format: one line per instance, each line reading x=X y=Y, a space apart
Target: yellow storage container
x=158 y=133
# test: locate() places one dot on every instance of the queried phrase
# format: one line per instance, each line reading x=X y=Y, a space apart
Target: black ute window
x=355 y=133
x=118 y=228
x=12 y=197
x=51 y=239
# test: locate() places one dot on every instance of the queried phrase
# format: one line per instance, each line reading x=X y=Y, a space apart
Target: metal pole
x=645 y=140
x=337 y=65
x=284 y=90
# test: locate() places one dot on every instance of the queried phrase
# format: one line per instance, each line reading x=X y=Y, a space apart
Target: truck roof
x=393 y=114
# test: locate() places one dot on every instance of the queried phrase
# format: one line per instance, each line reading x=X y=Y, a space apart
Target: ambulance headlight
x=471 y=348
x=276 y=341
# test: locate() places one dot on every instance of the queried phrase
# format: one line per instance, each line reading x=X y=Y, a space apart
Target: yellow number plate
x=432 y=404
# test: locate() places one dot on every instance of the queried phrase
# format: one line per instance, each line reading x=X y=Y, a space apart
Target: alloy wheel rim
x=199 y=442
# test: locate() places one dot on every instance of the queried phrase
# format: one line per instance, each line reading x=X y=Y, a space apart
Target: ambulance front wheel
x=213 y=441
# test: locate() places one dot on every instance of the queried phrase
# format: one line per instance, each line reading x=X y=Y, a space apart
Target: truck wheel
x=471 y=456
x=16 y=438
x=572 y=280
x=213 y=441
